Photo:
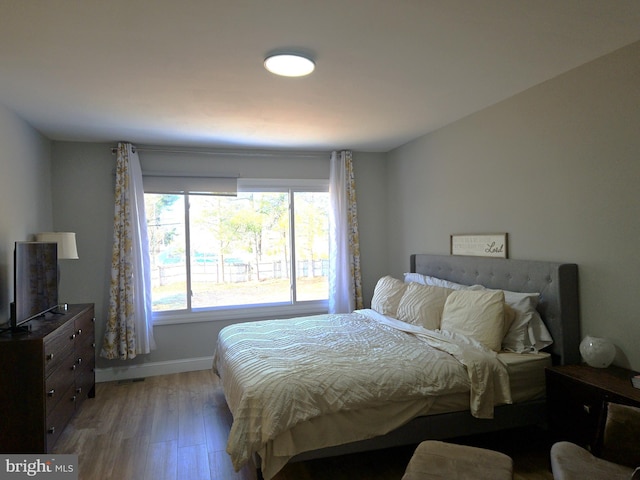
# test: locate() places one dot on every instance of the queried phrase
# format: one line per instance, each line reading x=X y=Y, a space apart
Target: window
x=268 y=246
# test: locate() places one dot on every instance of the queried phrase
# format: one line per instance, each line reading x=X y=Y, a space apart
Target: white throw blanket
x=278 y=373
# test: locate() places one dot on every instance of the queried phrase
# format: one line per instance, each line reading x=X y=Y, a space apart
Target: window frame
x=257 y=311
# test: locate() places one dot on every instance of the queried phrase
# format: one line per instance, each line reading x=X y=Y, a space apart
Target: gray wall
x=85 y=206
x=370 y=171
x=25 y=194
x=557 y=167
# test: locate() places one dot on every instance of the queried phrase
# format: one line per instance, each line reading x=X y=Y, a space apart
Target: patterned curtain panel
x=129 y=329
x=352 y=232
x=345 y=281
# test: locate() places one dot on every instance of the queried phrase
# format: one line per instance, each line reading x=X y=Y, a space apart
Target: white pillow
x=412 y=277
x=517 y=338
x=539 y=335
x=509 y=317
x=478 y=314
x=528 y=332
x=423 y=305
x=437 y=282
x=387 y=295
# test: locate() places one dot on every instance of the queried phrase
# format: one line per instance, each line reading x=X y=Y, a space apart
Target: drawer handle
x=79 y=390
x=51 y=430
x=79 y=361
x=93 y=319
x=72 y=337
x=73 y=399
x=79 y=332
x=73 y=367
x=51 y=392
x=50 y=356
x=93 y=345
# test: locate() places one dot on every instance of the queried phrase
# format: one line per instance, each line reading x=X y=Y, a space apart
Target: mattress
x=526 y=379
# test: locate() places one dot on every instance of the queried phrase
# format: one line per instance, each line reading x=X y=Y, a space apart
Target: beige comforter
x=277 y=374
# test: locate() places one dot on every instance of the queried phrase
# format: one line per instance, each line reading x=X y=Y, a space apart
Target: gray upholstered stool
x=433 y=459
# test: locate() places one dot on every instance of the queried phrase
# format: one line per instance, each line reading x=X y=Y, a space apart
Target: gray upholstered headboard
x=557 y=284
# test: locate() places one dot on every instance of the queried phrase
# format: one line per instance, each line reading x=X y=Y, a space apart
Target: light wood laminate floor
x=175 y=427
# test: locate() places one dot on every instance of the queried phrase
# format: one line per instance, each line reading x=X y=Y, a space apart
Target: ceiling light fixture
x=289 y=65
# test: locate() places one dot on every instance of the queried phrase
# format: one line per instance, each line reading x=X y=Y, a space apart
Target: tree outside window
x=255 y=249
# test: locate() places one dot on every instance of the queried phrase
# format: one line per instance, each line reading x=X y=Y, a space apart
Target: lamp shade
x=66 y=243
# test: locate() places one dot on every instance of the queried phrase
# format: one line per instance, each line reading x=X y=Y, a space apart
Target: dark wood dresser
x=576 y=395
x=45 y=375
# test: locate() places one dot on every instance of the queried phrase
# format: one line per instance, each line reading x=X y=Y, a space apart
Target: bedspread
x=278 y=373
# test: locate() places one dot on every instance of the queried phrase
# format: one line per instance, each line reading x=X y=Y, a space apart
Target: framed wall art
x=480 y=245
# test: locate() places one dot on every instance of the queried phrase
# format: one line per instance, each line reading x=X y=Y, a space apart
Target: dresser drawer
x=60 y=416
x=56 y=384
x=84 y=327
x=57 y=347
x=84 y=384
x=86 y=357
x=86 y=349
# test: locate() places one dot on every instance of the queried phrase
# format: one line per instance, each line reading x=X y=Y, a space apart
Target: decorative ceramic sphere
x=597 y=352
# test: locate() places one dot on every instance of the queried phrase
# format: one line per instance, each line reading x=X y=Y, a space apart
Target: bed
x=304 y=411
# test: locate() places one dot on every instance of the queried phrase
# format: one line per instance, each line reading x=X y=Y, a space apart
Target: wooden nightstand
x=576 y=395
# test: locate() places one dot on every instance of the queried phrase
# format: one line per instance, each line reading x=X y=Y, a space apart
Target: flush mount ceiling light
x=289 y=65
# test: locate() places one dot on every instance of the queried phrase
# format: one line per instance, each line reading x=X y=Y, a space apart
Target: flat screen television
x=35 y=280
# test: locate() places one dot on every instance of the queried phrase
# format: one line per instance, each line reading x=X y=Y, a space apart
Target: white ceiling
x=189 y=73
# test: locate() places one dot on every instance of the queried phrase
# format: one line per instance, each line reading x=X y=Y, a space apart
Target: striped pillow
x=387 y=295
x=423 y=305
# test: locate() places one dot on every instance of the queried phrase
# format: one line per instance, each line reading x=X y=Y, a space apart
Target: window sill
x=240 y=314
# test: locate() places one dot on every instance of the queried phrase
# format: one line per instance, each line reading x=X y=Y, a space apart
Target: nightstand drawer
x=574 y=410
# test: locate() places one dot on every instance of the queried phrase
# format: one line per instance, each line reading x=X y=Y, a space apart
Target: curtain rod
x=114 y=150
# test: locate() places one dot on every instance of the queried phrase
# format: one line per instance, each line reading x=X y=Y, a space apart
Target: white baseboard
x=153 y=368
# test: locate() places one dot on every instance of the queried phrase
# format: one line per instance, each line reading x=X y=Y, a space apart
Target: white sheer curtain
x=345 y=285
x=129 y=329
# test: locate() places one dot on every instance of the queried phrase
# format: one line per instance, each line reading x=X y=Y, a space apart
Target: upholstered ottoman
x=434 y=459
